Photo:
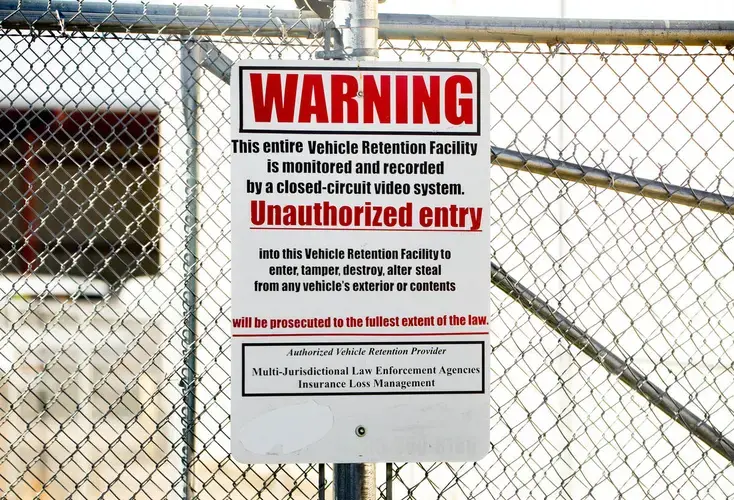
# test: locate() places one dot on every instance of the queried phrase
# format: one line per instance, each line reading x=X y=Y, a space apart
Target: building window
x=79 y=193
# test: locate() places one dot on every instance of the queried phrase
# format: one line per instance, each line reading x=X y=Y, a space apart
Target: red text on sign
x=365 y=98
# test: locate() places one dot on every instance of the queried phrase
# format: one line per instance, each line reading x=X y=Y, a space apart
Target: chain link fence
x=612 y=244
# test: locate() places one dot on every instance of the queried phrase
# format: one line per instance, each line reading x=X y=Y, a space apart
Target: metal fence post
x=190 y=98
x=357 y=21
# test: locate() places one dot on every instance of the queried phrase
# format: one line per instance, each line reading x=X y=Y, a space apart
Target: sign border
x=477 y=94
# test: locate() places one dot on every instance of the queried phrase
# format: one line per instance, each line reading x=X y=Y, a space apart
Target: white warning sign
x=360 y=262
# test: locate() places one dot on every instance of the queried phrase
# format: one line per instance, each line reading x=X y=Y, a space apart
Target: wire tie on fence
x=61 y=22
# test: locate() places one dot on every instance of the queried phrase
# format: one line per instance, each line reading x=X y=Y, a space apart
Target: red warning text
x=325 y=214
x=336 y=322
x=416 y=101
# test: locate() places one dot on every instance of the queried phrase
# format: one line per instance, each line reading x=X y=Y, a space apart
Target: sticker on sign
x=360 y=262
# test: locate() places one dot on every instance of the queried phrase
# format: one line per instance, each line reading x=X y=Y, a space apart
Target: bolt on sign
x=360 y=262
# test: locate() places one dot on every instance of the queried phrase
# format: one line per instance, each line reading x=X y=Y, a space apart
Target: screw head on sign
x=360 y=431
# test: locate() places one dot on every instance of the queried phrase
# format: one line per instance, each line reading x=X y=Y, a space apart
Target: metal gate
x=612 y=243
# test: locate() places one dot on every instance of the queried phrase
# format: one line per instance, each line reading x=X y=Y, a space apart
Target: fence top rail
x=186 y=20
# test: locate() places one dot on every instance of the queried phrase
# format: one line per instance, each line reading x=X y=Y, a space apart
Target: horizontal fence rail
x=185 y=20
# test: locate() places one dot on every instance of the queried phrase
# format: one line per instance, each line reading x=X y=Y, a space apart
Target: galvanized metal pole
x=354 y=482
x=190 y=101
x=357 y=21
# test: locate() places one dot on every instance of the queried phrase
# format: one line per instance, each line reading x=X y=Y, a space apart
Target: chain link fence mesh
x=94 y=264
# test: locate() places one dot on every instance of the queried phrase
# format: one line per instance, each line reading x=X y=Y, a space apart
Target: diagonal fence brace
x=613 y=364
